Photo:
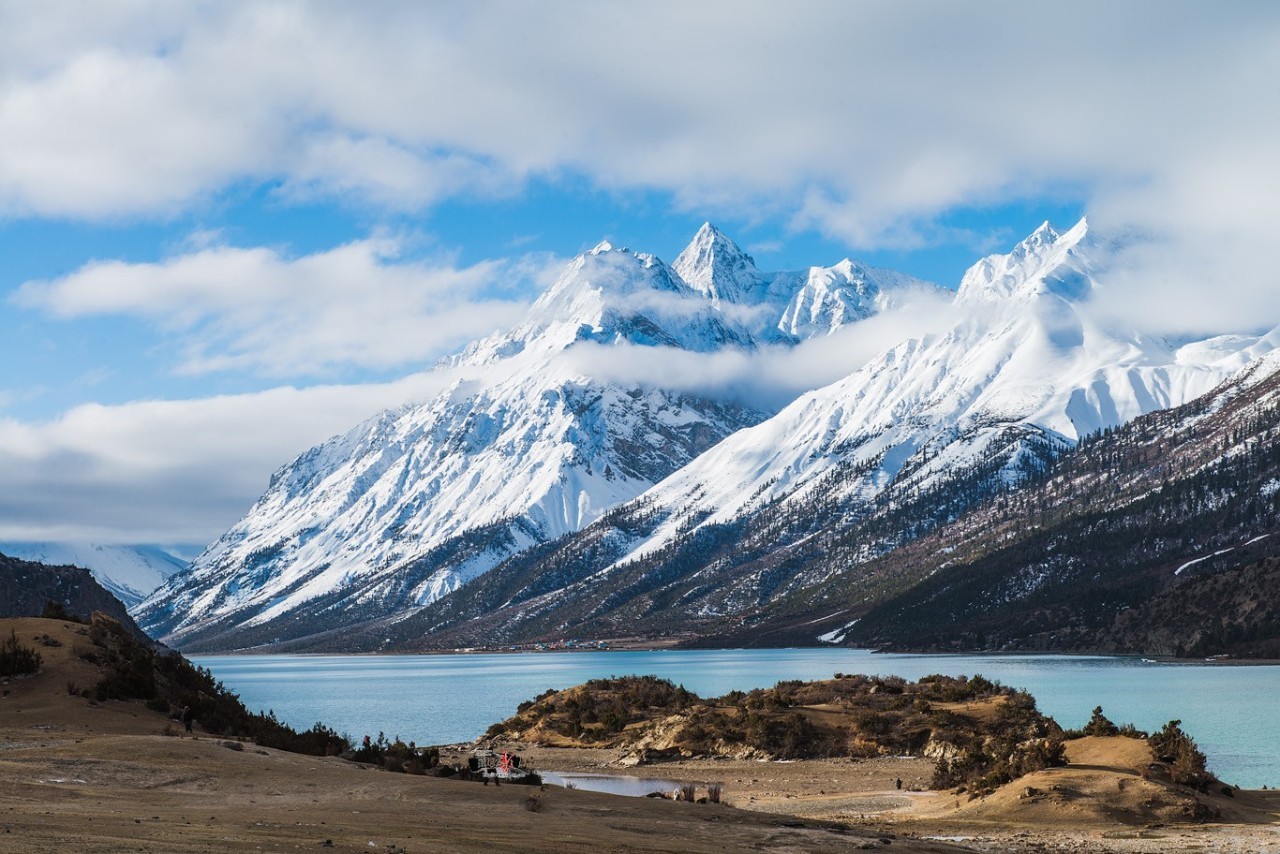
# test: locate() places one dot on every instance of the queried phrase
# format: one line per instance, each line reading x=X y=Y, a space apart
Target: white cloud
x=186 y=470
x=769 y=377
x=169 y=471
x=894 y=112
x=253 y=309
x=869 y=122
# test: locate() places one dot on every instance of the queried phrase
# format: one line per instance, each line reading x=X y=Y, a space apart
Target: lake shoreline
x=118 y=775
x=445 y=699
x=675 y=646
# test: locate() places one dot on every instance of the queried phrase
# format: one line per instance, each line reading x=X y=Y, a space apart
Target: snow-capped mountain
x=813 y=302
x=1023 y=354
x=859 y=467
x=403 y=509
x=131 y=573
x=1161 y=537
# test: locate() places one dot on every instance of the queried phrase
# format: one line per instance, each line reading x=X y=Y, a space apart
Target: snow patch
x=1192 y=563
x=837 y=635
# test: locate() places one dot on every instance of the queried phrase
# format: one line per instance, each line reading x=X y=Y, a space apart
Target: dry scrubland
x=77 y=774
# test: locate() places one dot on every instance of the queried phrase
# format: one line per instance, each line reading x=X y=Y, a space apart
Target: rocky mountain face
x=534 y=443
x=796 y=520
x=813 y=302
x=27 y=588
x=130 y=573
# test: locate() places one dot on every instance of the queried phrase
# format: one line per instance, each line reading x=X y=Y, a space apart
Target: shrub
x=1004 y=737
x=791 y=736
x=1099 y=724
x=56 y=611
x=1186 y=762
x=394 y=755
x=134 y=671
x=874 y=723
x=16 y=659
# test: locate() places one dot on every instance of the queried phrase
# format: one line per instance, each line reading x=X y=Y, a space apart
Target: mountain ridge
x=391 y=515
x=739 y=527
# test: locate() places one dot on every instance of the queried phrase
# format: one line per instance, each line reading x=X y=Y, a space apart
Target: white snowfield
x=537 y=450
x=408 y=506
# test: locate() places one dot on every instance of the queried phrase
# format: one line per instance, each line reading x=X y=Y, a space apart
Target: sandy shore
x=864 y=794
x=99 y=793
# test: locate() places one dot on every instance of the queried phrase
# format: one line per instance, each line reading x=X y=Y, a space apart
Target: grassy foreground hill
x=114 y=775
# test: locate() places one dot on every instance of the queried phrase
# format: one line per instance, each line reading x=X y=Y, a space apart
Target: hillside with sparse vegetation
x=980 y=733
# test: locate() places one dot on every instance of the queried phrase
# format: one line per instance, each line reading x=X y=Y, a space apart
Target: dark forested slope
x=27 y=589
x=1134 y=517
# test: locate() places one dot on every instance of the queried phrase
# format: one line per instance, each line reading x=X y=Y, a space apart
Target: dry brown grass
x=101 y=777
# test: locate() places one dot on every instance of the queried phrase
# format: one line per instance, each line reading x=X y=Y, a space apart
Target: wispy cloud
x=185 y=470
x=769 y=377
x=169 y=471
x=868 y=122
x=357 y=305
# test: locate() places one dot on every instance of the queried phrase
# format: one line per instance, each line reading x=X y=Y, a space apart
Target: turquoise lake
x=1231 y=711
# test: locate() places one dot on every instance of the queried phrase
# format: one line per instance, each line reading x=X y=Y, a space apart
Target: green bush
x=1099 y=724
x=16 y=659
x=791 y=736
x=1000 y=738
x=395 y=755
x=1179 y=750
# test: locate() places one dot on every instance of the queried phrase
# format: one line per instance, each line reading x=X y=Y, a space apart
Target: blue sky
x=117 y=357
x=229 y=230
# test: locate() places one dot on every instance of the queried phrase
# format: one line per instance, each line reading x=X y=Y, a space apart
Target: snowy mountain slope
x=830 y=298
x=532 y=459
x=915 y=437
x=1023 y=352
x=611 y=295
x=1127 y=523
x=410 y=505
x=128 y=572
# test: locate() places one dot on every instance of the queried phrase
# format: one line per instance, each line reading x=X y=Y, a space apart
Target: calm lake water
x=1231 y=711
